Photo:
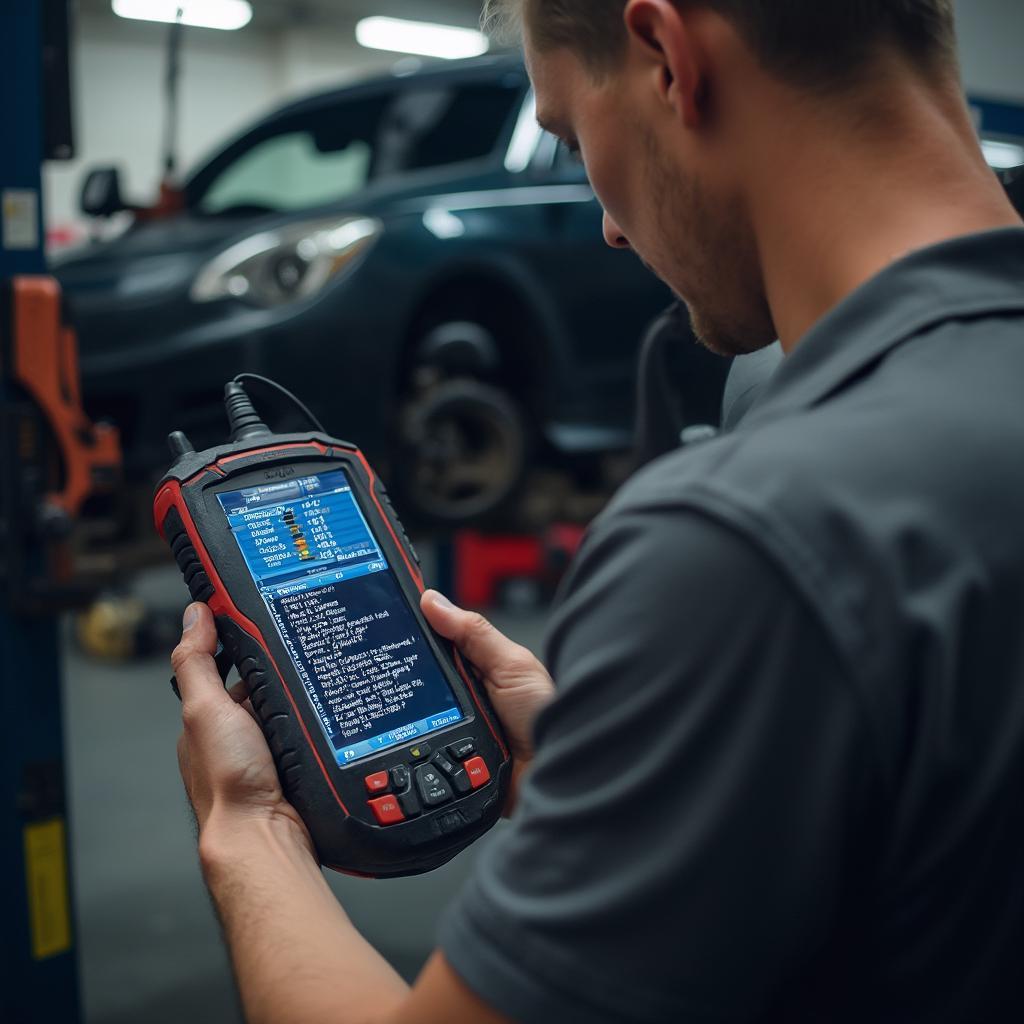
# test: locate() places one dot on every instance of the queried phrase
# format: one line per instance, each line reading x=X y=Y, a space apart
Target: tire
x=463 y=450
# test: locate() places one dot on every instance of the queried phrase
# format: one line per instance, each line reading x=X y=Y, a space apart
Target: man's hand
x=517 y=683
x=224 y=760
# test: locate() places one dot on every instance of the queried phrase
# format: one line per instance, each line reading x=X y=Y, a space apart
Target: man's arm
x=297 y=956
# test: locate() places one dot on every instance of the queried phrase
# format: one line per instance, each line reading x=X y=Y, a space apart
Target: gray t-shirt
x=783 y=778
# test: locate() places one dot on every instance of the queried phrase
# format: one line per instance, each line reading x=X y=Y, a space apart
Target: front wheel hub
x=464 y=450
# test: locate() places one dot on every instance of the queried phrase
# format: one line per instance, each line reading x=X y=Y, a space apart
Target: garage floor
x=149 y=945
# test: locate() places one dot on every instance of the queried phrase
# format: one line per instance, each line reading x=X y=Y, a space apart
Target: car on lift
x=413 y=257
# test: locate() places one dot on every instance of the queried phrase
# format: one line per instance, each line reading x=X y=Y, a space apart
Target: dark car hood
x=180 y=233
x=189 y=233
x=150 y=263
x=162 y=257
x=157 y=254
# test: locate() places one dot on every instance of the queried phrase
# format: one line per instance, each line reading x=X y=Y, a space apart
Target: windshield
x=319 y=157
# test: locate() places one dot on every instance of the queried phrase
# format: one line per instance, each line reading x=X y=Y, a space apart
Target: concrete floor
x=149 y=945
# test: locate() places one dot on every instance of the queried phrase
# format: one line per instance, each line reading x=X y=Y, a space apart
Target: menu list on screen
x=364 y=664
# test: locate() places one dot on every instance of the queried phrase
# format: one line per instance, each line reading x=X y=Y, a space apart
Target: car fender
x=504 y=269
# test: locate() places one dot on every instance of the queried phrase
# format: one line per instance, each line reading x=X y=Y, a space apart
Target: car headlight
x=286 y=264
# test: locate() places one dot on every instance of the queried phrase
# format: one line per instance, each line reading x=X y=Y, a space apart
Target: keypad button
x=420 y=752
x=409 y=802
x=460 y=780
x=461 y=750
x=387 y=810
x=478 y=772
x=432 y=787
x=377 y=782
x=400 y=777
x=443 y=763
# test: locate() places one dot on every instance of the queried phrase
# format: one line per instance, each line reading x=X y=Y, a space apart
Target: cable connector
x=243 y=419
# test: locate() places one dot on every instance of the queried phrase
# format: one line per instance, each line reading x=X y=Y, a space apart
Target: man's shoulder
x=738 y=474
x=798 y=492
x=915 y=462
x=937 y=422
x=758 y=484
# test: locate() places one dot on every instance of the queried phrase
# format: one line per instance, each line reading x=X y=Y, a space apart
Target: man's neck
x=847 y=200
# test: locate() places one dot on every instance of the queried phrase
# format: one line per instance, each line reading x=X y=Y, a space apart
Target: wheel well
x=507 y=316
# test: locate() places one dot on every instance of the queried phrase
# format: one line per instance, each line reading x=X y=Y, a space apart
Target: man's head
x=675 y=106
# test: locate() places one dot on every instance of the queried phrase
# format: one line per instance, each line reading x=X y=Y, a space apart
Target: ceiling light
x=421 y=37
x=225 y=14
x=1002 y=156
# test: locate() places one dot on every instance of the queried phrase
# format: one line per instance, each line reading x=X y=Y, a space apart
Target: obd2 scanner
x=384 y=740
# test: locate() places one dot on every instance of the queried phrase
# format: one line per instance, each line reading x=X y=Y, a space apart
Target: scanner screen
x=359 y=651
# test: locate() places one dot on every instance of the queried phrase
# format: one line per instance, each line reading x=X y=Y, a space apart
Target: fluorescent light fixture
x=420 y=37
x=225 y=14
x=1002 y=156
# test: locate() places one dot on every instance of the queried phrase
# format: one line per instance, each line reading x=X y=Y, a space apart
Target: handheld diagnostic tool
x=384 y=741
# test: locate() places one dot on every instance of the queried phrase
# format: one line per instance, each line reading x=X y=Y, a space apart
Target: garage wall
x=228 y=79
x=312 y=59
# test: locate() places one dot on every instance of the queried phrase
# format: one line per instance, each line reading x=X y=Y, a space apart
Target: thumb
x=442 y=615
x=486 y=647
x=192 y=659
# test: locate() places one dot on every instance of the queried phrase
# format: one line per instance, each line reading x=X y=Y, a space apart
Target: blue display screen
x=367 y=670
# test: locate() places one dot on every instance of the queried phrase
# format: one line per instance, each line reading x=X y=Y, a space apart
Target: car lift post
x=38 y=979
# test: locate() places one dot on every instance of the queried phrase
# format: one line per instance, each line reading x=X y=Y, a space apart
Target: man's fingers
x=490 y=650
x=239 y=693
x=192 y=659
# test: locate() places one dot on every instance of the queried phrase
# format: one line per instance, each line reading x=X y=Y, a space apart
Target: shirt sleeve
x=684 y=840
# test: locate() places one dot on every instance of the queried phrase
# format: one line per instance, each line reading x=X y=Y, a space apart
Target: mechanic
x=781 y=777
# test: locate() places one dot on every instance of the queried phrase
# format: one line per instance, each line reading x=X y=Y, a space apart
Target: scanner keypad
x=425 y=784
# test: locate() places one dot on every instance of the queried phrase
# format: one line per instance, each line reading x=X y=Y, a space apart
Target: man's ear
x=665 y=36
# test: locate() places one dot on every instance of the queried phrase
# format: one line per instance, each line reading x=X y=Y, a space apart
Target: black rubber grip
x=198 y=583
x=271 y=705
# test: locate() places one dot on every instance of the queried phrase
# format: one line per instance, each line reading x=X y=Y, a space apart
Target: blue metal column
x=38 y=972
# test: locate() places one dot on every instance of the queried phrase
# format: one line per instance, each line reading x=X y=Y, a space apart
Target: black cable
x=298 y=403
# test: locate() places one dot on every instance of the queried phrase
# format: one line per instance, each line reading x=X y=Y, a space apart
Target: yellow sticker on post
x=46 y=876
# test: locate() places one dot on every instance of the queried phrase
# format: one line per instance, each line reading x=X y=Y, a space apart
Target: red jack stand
x=483 y=562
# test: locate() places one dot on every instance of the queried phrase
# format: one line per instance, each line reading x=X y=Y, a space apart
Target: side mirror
x=101 y=193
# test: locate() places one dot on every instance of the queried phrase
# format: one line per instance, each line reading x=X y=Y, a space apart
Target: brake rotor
x=465 y=450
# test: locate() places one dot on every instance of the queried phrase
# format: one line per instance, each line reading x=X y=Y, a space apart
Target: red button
x=377 y=782
x=476 y=768
x=386 y=810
